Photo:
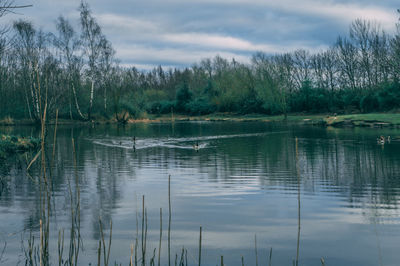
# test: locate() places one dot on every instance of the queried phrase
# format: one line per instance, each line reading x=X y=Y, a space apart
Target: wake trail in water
x=173 y=143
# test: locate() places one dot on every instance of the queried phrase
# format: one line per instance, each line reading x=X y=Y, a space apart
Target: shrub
x=250 y=105
x=271 y=108
x=369 y=102
x=389 y=97
x=183 y=96
x=200 y=106
x=161 y=107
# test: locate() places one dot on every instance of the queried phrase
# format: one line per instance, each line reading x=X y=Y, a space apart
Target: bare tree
x=302 y=66
x=27 y=50
x=8 y=6
x=348 y=62
x=395 y=52
x=92 y=40
x=105 y=66
x=68 y=45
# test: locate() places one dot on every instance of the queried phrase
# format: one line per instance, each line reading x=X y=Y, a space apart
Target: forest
x=75 y=73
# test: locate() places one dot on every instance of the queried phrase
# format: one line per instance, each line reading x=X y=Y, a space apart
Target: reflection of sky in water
x=241 y=182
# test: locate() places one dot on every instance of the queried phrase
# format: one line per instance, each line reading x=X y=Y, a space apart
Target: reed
x=2 y=252
x=153 y=258
x=60 y=247
x=255 y=248
x=99 y=253
x=169 y=220
x=298 y=202
x=136 y=258
x=143 y=242
x=159 y=245
x=131 y=258
x=270 y=257
x=200 y=246
x=106 y=253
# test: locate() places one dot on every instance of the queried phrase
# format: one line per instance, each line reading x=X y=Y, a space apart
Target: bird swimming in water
x=134 y=143
x=381 y=140
x=196 y=146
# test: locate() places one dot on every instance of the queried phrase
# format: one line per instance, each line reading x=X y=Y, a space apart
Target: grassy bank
x=354 y=120
x=13 y=144
x=367 y=120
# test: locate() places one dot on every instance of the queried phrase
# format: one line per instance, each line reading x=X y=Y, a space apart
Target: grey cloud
x=179 y=33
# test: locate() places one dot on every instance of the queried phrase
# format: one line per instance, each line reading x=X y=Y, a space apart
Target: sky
x=178 y=33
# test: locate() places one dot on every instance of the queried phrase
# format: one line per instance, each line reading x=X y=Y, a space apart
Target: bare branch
x=7 y=6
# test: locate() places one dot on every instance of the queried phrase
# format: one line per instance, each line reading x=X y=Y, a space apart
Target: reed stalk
x=41 y=243
x=2 y=252
x=143 y=248
x=298 y=201
x=131 y=259
x=60 y=247
x=255 y=248
x=200 y=246
x=136 y=258
x=109 y=244
x=270 y=257
x=99 y=254
x=159 y=245
x=169 y=220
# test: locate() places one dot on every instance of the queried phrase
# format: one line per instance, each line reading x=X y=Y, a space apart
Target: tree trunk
x=28 y=105
x=91 y=100
x=76 y=102
x=105 y=99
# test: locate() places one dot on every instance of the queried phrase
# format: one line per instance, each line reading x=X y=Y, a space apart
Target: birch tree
x=68 y=45
x=92 y=39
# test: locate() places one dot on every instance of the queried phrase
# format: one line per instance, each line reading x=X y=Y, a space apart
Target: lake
x=242 y=181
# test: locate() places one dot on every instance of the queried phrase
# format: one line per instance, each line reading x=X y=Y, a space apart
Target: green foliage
x=310 y=99
x=271 y=108
x=200 y=106
x=369 y=102
x=161 y=107
x=127 y=106
x=389 y=97
x=183 y=97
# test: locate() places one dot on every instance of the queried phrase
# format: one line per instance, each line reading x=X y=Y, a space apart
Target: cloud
x=143 y=30
x=343 y=12
x=141 y=54
x=182 y=32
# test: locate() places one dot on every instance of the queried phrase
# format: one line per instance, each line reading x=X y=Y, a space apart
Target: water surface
x=241 y=182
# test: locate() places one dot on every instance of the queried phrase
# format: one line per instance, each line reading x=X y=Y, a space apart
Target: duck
x=381 y=140
x=196 y=146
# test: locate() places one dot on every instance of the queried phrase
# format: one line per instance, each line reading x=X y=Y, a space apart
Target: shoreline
x=374 y=120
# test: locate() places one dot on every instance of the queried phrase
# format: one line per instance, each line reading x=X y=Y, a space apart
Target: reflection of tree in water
x=106 y=165
x=19 y=188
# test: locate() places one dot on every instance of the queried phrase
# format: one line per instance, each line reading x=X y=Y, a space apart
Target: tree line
x=77 y=73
